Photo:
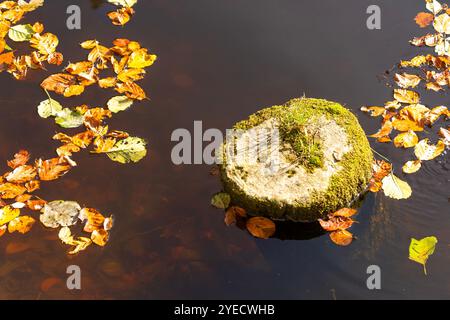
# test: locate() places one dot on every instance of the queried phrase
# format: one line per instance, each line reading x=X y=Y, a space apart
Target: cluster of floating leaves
x=405 y=114
x=409 y=117
x=128 y=60
x=44 y=45
x=16 y=194
x=122 y=16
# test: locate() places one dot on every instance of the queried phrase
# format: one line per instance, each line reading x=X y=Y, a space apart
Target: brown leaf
x=344 y=212
x=336 y=223
x=52 y=169
x=261 y=227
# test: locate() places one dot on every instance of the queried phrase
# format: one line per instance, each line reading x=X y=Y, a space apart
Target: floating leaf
x=221 y=200
x=336 y=223
x=123 y=3
x=421 y=250
x=60 y=213
x=412 y=166
x=396 y=188
x=20 y=158
x=119 y=103
x=8 y=214
x=425 y=151
x=261 y=227
x=424 y=19
x=21 y=224
x=131 y=149
x=406 y=96
x=406 y=140
x=341 y=237
x=406 y=80
x=49 y=108
x=21 y=32
x=441 y=23
x=68 y=118
x=344 y=212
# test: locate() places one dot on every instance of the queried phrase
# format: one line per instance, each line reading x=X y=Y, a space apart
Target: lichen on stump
x=323 y=161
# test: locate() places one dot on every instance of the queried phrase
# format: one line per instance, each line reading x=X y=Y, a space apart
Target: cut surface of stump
x=299 y=161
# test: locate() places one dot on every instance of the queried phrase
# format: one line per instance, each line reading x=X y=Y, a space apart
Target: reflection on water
x=220 y=62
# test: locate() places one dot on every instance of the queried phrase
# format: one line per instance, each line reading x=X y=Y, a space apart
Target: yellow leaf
x=396 y=188
x=7 y=214
x=406 y=96
x=21 y=224
x=407 y=80
x=412 y=166
x=421 y=250
x=425 y=151
x=406 y=140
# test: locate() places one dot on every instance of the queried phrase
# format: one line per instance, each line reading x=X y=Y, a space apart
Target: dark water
x=218 y=62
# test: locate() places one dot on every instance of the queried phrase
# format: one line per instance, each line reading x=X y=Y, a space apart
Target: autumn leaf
x=49 y=108
x=121 y=16
x=406 y=80
x=344 y=212
x=336 y=223
x=424 y=19
x=425 y=151
x=383 y=134
x=233 y=213
x=261 y=227
x=60 y=213
x=123 y=3
x=20 y=158
x=421 y=250
x=412 y=166
x=406 y=96
x=21 y=174
x=221 y=200
x=21 y=224
x=11 y=190
x=441 y=23
x=52 y=169
x=8 y=214
x=131 y=149
x=341 y=237
x=119 y=103
x=406 y=140
x=396 y=188
x=374 y=111
x=445 y=134
x=21 y=32
x=80 y=243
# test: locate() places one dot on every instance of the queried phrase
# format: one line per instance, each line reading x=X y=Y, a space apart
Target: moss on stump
x=323 y=161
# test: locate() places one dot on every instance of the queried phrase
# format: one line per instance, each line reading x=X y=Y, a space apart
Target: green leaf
x=68 y=118
x=49 y=108
x=123 y=3
x=421 y=250
x=21 y=32
x=221 y=200
x=119 y=103
x=396 y=188
x=131 y=149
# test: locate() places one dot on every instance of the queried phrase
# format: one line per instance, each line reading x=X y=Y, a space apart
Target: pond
x=220 y=61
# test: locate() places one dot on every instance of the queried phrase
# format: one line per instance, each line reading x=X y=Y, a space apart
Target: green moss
x=343 y=187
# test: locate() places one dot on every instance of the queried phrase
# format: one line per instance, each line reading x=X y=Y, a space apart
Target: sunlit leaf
x=131 y=149
x=119 y=103
x=412 y=166
x=49 y=108
x=60 y=213
x=21 y=224
x=424 y=19
x=406 y=80
x=344 y=212
x=21 y=32
x=421 y=250
x=341 y=237
x=396 y=188
x=425 y=151
x=406 y=96
x=69 y=118
x=406 y=140
x=336 y=223
x=8 y=214
x=441 y=23
x=20 y=158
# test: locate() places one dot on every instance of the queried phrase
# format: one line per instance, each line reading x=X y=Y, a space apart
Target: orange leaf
x=261 y=227
x=341 y=237
x=424 y=19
